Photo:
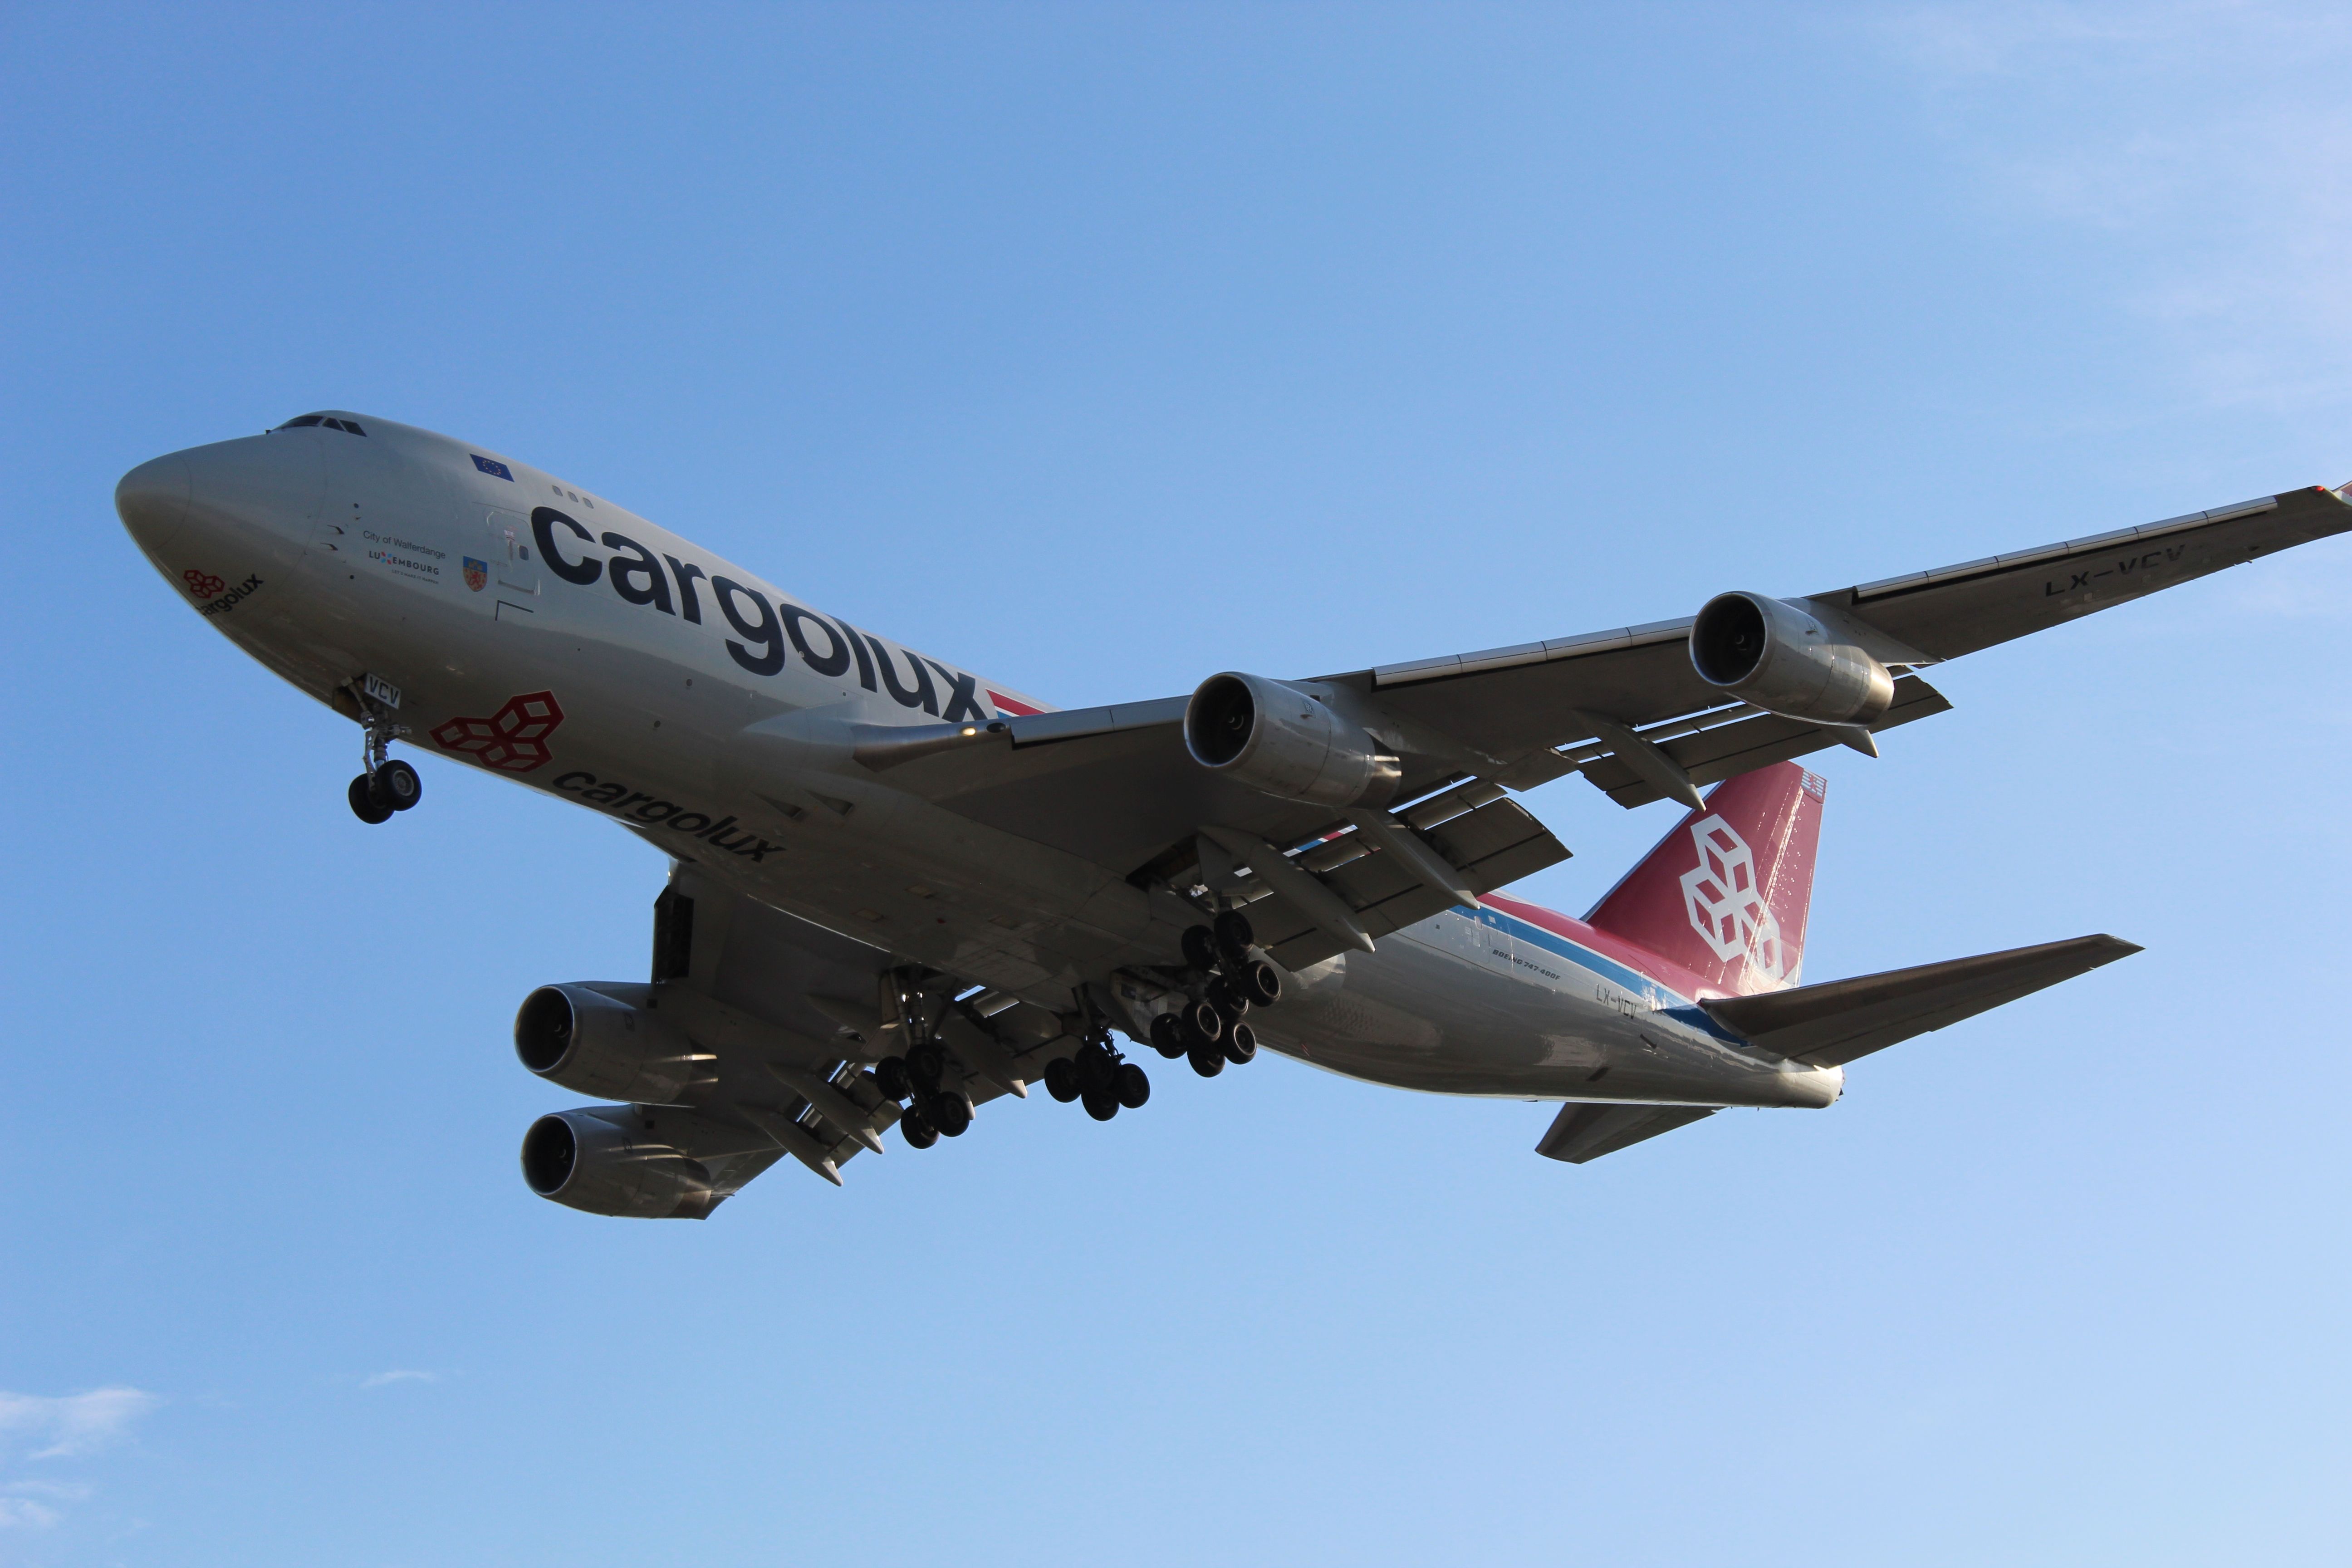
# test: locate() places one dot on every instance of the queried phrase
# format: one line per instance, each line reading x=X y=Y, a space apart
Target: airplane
x=900 y=890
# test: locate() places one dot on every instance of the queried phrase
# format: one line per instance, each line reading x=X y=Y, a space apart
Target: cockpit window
x=351 y=426
x=305 y=419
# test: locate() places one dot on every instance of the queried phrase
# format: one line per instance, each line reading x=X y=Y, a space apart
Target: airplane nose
x=153 y=501
x=228 y=510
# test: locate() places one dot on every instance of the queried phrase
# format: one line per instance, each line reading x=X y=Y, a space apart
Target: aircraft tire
x=1168 y=1035
x=1240 y=1045
x=1261 y=982
x=1100 y=1104
x=950 y=1113
x=925 y=1063
x=890 y=1074
x=1134 y=1086
x=364 y=804
x=397 y=785
x=917 y=1129
x=1201 y=947
x=1208 y=1060
x=1201 y=1021
x=1233 y=934
x=1062 y=1080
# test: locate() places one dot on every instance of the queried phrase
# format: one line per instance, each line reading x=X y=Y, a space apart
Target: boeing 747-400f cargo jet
x=899 y=890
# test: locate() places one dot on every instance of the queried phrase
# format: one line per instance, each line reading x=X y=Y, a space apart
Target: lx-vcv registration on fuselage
x=900 y=890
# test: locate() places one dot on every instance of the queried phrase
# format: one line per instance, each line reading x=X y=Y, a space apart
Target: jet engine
x=587 y=1041
x=1774 y=656
x=1274 y=737
x=580 y=1159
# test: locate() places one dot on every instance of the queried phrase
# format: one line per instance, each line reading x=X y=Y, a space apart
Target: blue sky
x=1101 y=348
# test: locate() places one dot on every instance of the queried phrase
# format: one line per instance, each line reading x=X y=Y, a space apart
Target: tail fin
x=1727 y=894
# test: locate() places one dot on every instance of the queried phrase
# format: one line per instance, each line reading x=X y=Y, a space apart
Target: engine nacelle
x=1275 y=738
x=584 y=1160
x=586 y=1041
x=1774 y=656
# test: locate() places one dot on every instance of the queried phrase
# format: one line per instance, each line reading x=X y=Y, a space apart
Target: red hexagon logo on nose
x=514 y=739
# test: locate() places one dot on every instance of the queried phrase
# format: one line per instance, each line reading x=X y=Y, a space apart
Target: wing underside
x=1624 y=708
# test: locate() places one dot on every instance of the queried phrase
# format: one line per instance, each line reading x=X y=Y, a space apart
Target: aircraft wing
x=1521 y=705
x=1116 y=786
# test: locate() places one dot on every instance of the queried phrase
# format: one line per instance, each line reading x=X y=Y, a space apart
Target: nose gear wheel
x=384 y=786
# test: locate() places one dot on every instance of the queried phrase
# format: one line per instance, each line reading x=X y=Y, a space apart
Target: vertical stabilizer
x=1725 y=894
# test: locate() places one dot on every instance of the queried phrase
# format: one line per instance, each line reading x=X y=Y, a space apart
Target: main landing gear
x=939 y=1109
x=923 y=1076
x=1097 y=1079
x=384 y=786
x=1210 y=1032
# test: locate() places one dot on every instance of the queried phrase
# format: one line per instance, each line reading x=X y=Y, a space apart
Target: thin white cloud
x=24 y=1513
x=65 y=1428
x=2205 y=148
x=400 y=1374
x=33 y=1504
x=76 y=1423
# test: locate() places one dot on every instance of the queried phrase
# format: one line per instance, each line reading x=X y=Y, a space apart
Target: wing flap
x=1834 y=1023
x=1721 y=752
x=1586 y=1132
x=1496 y=844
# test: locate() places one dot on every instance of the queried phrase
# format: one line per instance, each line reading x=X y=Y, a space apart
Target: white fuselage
x=706 y=709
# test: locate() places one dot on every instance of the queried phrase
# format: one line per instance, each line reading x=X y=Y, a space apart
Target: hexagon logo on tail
x=1724 y=898
x=1727 y=906
x=514 y=739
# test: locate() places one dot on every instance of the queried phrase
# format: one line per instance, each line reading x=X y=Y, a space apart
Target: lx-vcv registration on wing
x=901 y=891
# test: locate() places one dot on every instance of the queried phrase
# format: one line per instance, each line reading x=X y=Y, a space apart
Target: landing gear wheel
x=364 y=804
x=925 y=1063
x=1100 y=1104
x=1062 y=1080
x=950 y=1113
x=1260 y=982
x=397 y=785
x=1208 y=1060
x=1200 y=1021
x=1168 y=1035
x=1134 y=1087
x=1233 y=933
x=917 y=1130
x=891 y=1075
x=1240 y=1045
x=1201 y=947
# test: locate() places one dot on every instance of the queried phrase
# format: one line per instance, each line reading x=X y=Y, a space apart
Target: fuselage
x=534 y=629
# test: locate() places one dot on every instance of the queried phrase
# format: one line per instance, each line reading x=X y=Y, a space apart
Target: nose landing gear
x=384 y=785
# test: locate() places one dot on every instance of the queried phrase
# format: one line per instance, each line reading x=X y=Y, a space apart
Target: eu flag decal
x=490 y=466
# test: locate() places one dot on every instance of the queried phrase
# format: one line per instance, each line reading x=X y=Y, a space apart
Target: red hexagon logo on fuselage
x=514 y=739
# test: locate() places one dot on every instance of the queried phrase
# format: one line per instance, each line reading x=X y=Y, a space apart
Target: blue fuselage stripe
x=1681 y=1009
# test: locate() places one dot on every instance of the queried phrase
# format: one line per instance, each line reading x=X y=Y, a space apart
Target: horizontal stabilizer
x=1830 y=1025
x=1582 y=1133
